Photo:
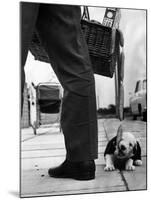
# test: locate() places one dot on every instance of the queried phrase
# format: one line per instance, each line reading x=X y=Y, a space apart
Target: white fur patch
x=109 y=163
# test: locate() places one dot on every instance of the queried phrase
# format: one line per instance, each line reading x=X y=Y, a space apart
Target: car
x=138 y=100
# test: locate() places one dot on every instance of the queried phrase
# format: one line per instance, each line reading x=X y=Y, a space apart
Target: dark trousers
x=59 y=29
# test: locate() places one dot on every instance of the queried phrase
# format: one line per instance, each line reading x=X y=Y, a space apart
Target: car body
x=138 y=100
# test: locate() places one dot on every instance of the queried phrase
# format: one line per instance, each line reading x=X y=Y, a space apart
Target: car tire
x=134 y=117
x=140 y=109
x=145 y=116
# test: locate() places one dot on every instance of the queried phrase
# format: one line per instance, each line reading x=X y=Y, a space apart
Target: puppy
x=122 y=152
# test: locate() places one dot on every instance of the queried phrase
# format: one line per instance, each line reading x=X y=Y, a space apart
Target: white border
x=9 y=98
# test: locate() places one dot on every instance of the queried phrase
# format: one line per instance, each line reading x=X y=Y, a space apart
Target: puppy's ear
x=119 y=133
x=135 y=149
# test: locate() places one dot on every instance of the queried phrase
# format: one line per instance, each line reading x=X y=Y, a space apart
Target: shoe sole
x=85 y=177
x=80 y=177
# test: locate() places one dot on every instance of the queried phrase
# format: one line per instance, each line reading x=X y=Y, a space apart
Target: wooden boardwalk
x=46 y=149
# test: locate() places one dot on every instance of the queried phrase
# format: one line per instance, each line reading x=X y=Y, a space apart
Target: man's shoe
x=76 y=170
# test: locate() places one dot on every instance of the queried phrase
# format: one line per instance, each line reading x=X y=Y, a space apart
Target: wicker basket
x=99 y=39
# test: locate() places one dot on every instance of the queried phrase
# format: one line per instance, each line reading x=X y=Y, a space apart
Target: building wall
x=25 y=117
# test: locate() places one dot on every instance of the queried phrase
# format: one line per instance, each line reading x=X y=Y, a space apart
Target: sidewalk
x=46 y=150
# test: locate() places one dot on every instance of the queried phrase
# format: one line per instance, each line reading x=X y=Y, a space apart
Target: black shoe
x=76 y=170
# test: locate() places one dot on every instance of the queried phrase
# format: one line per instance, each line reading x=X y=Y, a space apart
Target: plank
x=137 y=180
x=47 y=162
x=47 y=150
x=38 y=182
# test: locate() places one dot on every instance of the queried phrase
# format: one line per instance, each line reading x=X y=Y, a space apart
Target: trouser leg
x=60 y=33
x=29 y=12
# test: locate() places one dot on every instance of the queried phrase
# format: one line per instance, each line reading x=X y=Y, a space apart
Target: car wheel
x=140 y=109
x=134 y=117
x=145 y=116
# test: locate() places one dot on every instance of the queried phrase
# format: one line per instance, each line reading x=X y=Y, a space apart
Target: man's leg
x=60 y=31
x=28 y=13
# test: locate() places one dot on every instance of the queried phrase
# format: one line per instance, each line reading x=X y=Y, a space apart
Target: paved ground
x=46 y=149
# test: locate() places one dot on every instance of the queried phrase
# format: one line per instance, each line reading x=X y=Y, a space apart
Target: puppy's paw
x=130 y=167
x=138 y=162
x=109 y=168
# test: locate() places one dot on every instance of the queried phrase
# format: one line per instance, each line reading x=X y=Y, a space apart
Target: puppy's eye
x=130 y=144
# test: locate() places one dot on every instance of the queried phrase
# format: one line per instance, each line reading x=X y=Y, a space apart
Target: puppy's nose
x=122 y=147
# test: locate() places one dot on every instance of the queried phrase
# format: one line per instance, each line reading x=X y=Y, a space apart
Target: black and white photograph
x=83 y=91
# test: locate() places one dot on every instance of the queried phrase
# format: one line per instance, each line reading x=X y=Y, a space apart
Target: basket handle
x=86 y=14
